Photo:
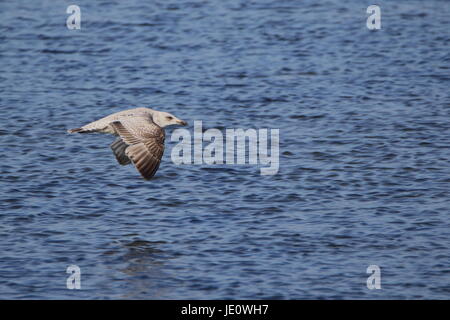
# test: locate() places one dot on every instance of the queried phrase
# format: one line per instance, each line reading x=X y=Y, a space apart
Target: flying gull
x=140 y=134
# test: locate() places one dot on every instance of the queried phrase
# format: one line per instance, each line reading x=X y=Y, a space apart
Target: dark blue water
x=364 y=150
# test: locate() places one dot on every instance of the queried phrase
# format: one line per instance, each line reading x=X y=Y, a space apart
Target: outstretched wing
x=145 y=144
x=118 y=147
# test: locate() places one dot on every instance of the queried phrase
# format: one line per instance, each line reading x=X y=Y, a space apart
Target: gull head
x=164 y=119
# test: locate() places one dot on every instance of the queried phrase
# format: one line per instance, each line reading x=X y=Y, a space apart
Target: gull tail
x=75 y=130
x=79 y=130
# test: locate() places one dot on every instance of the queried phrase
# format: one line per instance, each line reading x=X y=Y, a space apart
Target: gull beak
x=181 y=122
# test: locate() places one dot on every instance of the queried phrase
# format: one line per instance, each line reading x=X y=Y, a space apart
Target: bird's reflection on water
x=141 y=270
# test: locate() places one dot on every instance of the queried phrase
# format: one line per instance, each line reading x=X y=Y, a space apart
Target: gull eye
x=169 y=118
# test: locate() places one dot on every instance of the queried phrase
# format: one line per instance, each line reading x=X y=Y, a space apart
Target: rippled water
x=364 y=150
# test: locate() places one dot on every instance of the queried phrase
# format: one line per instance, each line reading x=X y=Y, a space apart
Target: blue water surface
x=364 y=171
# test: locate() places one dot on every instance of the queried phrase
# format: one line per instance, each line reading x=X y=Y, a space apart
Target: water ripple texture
x=364 y=150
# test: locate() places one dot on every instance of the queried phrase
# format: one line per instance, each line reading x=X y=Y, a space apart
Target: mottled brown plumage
x=140 y=134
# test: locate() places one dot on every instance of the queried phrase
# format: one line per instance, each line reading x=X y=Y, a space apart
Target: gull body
x=140 y=134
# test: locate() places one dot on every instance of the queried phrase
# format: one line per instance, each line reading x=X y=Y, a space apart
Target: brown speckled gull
x=140 y=134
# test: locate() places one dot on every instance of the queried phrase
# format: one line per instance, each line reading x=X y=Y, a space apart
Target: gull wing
x=145 y=144
x=118 y=147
